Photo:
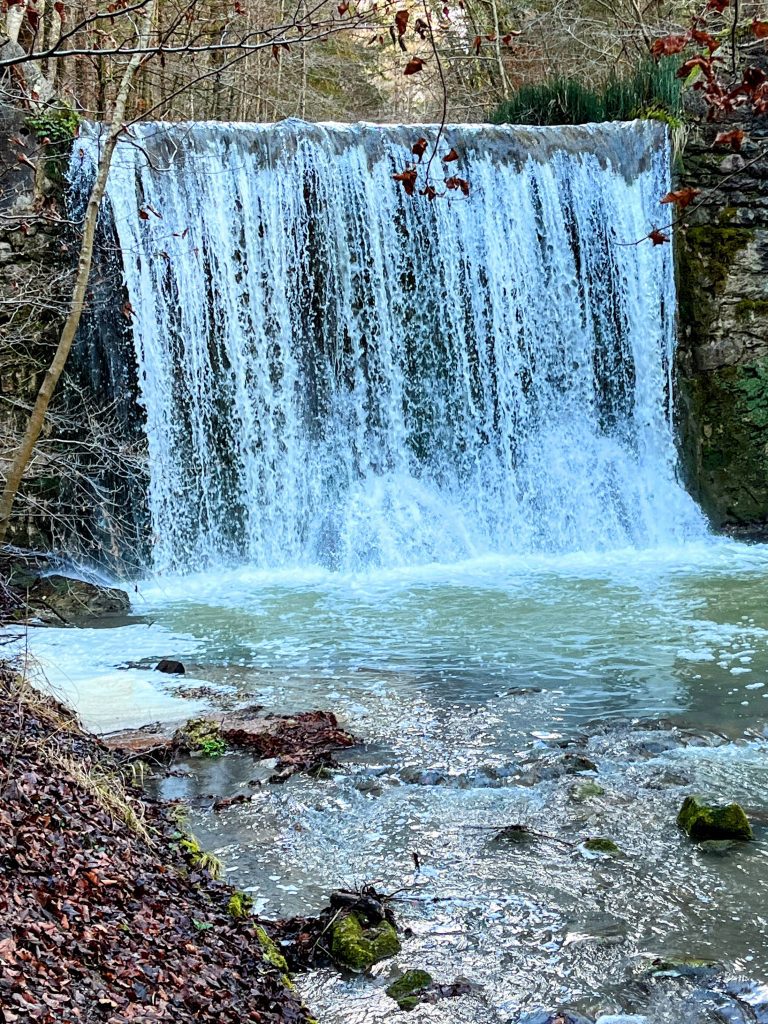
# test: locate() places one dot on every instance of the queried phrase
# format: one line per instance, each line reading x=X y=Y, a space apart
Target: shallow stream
x=481 y=692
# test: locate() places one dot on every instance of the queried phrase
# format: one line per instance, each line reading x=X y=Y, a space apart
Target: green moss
x=599 y=844
x=726 y=441
x=240 y=905
x=713 y=249
x=204 y=736
x=273 y=955
x=405 y=991
x=746 y=309
x=681 y=967
x=57 y=126
x=198 y=858
x=587 y=791
x=359 y=946
x=708 y=821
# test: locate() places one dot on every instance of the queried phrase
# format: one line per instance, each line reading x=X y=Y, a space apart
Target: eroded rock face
x=31 y=590
x=722 y=260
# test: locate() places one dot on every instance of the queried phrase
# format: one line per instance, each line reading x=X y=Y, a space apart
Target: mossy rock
x=359 y=946
x=682 y=967
x=407 y=990
x=599 y=844
x=708 y=821
x=240 y=905
x=273 y=955
x=202 y=736
x=587 y=791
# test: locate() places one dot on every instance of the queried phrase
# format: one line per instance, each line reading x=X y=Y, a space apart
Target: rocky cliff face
x=83 y=491
x=722 y=259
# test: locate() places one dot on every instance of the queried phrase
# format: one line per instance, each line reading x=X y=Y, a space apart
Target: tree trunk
x=53 y=373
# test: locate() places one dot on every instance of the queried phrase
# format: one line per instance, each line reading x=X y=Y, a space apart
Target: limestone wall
x=722 y=261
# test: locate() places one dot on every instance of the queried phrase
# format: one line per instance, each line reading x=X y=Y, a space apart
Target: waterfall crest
x=334 y=373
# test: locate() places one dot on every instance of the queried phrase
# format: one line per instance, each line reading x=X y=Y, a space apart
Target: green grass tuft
x=651 y=90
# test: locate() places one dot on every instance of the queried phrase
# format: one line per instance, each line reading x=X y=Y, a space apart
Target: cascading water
x=335 y=373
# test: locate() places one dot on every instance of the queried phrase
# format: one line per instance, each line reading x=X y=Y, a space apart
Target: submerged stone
x=358 y=946
x=408 y=989
x=708 y=821
x=587 y=791
x=673 y=966
x=717 y=847
x=599 y=844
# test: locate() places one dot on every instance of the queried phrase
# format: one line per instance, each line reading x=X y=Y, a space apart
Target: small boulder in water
x=408 y=990
x=708 y=821
x=358 y=945
x=587 y=791
x=170 y=667
x=599 y=844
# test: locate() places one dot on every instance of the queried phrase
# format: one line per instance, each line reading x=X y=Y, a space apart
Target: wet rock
x=409 y=989
x=147 y=743
x=302 y=742
x=599 y=844
x=574 y=764
x=170 y=667
x=587 y=791
x=358 y=945
x=521 y=691
x=58 y=599
x=672 y=966
x=717 y=847
x=422 y=777
x=201 y=736
x=708 y=821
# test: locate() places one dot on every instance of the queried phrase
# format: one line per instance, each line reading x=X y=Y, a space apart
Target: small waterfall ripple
x=336 y=374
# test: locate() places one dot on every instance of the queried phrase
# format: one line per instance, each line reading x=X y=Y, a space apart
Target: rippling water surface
x=482 y=692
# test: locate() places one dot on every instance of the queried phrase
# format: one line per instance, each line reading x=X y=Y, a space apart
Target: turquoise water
x=468 y=685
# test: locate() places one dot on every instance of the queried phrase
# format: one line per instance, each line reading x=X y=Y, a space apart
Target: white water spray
x=337 y=374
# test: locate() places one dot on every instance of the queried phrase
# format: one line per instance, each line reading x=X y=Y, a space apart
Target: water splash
x=336 y=374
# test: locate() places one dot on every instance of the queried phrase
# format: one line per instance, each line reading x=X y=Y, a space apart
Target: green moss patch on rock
x=240 y=905
x=273 y=955
x=727 y=441
x=700 y=820
x=599 y=844
x=409 y=988
x=357 y=945
x=587 y=791
x=203 y=736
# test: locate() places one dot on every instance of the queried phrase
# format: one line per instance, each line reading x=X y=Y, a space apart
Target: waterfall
x=335 y=373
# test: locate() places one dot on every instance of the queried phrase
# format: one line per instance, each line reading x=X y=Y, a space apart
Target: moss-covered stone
x=708 y=821
x=358 y=946
x=681 y=967
x=202 y=736
x=240 y=905
x=587 y=791
x=749 y=309
x=407 y=990
x=599 y=844
x=273 y=955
